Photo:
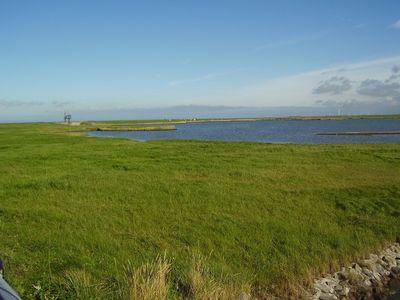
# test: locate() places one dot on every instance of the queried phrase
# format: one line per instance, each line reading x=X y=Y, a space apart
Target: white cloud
x=396 y=25
x=297 y=90
x=334 y=85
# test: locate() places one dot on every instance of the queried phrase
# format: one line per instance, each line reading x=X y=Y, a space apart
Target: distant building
x=67 y=118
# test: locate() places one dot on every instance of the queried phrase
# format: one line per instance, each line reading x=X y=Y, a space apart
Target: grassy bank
x=137 y=128
x=81 y=216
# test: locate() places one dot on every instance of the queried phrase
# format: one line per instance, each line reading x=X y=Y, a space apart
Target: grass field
x=80 y=217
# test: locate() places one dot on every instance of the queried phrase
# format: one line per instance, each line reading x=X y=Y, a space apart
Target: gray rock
x=382 y=263
x=329 y=296
x=336 y=277
x=343 y=275
x=395 y=270
x=376 y=276
x=381 y=270
x=337 y=287
x=331 y=281
x=344 y=291
x=364 y=276
x=390 y=260
x=341 y=289
x=368 y=263
x=367 y=282
x=356 y=267
x=323 y=287
x=367 y=272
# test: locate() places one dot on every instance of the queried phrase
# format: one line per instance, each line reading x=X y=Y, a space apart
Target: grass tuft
x=206 y=285
x=81 y=285
x=148 y=282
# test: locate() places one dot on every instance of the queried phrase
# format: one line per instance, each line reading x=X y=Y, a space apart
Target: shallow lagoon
x=273 y=131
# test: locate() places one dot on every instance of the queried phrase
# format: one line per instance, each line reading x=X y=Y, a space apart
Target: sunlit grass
x=77 y=209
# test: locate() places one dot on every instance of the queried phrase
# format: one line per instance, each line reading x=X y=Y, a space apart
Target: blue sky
x=88 y=56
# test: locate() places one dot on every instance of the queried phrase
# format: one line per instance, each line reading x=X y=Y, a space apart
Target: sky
x=140 y=59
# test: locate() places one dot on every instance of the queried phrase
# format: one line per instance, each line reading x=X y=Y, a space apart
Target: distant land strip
x=360 y=133
x=139 y=128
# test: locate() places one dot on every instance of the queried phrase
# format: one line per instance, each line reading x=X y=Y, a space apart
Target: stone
x=366 y=264
x=367 y=272
x=367 y=282
x=344 y=292
x=336 y=277
x=381 y=270
x=331 y=281
x=356 y=267
x=343 y=275
x=390 y=260
x=338 y=288
x=323 y=287
x=326 y=296
x=382 y=263
x=395 y=270
x=362 y=279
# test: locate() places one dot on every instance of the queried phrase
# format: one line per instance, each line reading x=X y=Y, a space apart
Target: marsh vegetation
x=82 y=217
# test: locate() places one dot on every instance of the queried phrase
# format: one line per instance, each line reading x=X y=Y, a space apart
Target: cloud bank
x=371 y=86
x=334 y=85
x=396 y=25
x=372 y=83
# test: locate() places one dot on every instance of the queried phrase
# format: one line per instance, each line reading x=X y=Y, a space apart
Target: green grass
x=263 y=214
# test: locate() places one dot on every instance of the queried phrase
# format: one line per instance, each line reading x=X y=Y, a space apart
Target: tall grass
x=206 y=285
x=81 y=285
x=148 y=282
x=153 y=281
x=75 y=209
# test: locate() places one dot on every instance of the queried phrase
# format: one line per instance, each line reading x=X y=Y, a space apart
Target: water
x=272 y=131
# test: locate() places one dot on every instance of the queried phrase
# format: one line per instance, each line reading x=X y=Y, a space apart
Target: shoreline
x=143 y=128
x=360 y=133
x=239 y=119
x=376 y=277
x=247 y=119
